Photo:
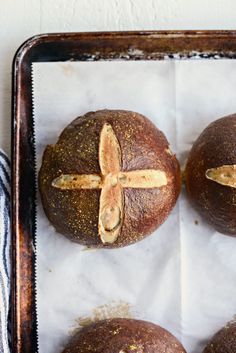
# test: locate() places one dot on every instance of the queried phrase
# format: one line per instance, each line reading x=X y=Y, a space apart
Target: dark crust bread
x=216 y=146
x=124 y=336
x=74 y=213
x=224 y=341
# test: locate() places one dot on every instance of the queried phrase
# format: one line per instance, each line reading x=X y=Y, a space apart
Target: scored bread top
x=211 y=174
x=109 y=180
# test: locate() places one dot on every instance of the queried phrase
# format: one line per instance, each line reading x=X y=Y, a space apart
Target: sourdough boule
x=211 y=174
x=110 y=180
x=124 y=336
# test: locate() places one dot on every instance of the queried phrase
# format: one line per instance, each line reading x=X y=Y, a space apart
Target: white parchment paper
x=183 y=277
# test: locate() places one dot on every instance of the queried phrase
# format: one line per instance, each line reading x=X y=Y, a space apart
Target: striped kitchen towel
x=4 y=251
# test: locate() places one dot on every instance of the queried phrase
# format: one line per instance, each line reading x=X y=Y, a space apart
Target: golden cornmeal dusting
x=132 y=347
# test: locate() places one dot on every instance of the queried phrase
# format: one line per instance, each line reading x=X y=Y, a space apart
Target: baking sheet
x=183 y=276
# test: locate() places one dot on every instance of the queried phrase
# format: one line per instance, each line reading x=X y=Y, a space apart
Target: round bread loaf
x=124 y=336
x=224 y=341
x=110 y=180
x=211 y=174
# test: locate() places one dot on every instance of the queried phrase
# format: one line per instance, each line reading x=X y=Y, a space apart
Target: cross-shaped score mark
x=111 y=181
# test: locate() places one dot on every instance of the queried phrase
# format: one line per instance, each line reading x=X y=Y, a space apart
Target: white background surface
x=21 y=19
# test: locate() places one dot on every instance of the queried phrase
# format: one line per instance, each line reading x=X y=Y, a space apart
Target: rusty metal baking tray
x=150 y=45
